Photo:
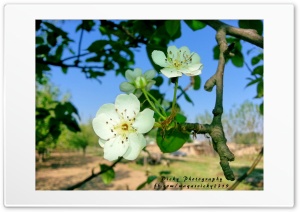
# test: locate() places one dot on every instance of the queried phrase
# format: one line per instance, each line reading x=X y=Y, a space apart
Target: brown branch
x=249 y=35
x=241 y=178
x=92 y=176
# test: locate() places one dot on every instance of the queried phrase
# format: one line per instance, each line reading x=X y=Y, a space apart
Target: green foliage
x=51 y=115
x=108 y=175
x=252 y=24
x=149 y=180
x=195 y=24
x=171 y=140
x=197 y=82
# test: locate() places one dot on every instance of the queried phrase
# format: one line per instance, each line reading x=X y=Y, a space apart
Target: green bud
x=140 y=82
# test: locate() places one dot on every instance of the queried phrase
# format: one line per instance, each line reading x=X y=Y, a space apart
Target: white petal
x=195 y=58
x=127 y=87
x=136 y=143
x=132 y=75
x=194 y=73
x=109 y=110
x=150 y=74
x=171 y=72
x=115 y=148
x=128 y=106
x=184 y=51
x=102 y=142
x=172 y=51
x=149 y=85
x=144 y=121
x=194 y=67
x=159 y=58
x=103 y=126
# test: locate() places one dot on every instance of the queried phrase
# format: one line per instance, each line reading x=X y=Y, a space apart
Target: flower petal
x=171 y=72
x=159 y=58
x=102 y=142
x=107 y=109
x=150 y=74
x=127 y=87
x=127 y=106
x=172 y=51
x=196 y=72
x=132 y=75
x=115 y=148
x=103 y=126
x=149 y=85
x=184 y=52
x=136 y=143
x=144 y=121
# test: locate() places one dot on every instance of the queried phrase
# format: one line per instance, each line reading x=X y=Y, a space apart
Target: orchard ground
x=193 y=171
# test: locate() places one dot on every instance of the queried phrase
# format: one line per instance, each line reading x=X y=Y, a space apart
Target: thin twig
x=241 y=178
x=92 y=176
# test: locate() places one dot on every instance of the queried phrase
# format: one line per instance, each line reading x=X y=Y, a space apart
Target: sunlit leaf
x=171 y=140
x=195 y=24
x=180 y=118
x=108 y=175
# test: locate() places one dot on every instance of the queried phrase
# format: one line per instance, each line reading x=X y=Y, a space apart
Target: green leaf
x=172 y=27
x=97 y=45
x=261 y=108
x=64 y=69
x=253 y=81
x=164 y=172
x=238 y=59
x=94 y=59
x=260 y=89
x=187 y=98
x=180 y=118
x=58 y=53
x=108 y=175
x=252 y=24
x=195 y=24
x=149 y=180
x=256 y=59
x=258 y=70
x=39 y=40
x=171 y=140
x=197 y=82
x=216 y=51
x=52 y=38
x=43 y=49
x=158 y=81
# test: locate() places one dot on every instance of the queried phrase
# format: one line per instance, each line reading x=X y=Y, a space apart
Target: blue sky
x=88 y=95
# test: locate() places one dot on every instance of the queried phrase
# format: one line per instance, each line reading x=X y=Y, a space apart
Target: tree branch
x=92 y=176
x=249 y=35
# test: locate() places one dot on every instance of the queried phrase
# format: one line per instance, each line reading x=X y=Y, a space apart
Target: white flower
x=178 y=62
x=137 y=81
x=120 y=127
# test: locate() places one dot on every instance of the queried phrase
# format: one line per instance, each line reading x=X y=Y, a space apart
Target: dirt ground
x=62 y=170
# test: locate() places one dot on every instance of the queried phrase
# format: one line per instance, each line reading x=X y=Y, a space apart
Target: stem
x=157 y=103
x=152 y=105
x=174 y=96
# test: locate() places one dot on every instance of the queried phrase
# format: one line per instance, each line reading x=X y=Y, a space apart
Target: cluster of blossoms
x=121 y=126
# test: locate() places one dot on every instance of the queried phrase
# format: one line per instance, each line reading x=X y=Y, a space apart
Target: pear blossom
x=178 y=62
x=137 y=81
x=121 y=126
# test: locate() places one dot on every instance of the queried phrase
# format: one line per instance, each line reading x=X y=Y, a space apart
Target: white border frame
x=19 y=109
